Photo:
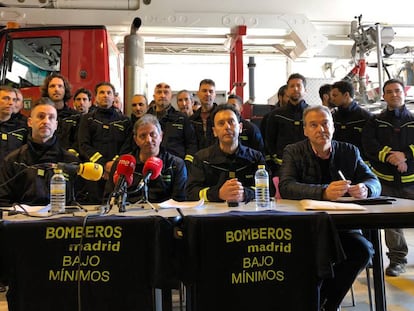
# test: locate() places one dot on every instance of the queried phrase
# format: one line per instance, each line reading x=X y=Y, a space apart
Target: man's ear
x=214 y=131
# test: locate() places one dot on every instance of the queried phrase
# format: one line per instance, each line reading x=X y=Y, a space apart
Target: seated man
x=310 y=170
x=25 y=176
x=171 y=182
x=225 y=170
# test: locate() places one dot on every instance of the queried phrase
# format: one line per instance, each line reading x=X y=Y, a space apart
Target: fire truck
x=86 y=55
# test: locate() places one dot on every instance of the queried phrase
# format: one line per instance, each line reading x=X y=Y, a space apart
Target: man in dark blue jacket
x=310 y=170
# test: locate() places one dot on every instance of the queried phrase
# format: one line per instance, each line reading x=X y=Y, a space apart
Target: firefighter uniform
x=169 y=185
x=203 y=131
x=284 y=127
x=212 y=167
x=392 y=130
x=103 y=134
x=25 y=177
x=178 y=133
x=349 y=123
x=13 y=135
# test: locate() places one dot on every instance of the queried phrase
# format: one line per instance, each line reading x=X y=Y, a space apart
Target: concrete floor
x=399 y=290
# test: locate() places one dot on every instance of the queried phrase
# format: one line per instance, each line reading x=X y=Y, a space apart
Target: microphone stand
x=144 y=197
x=122 y=198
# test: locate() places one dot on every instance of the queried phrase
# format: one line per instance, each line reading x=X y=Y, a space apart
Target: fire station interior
x=249 y=48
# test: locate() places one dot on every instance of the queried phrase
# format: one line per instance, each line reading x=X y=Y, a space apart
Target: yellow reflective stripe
x=115 y=157
x=276 y=159
x=412 y=149
x=383 y=153
x=268 y=157
x=74 y=152
x=189 y=158
x=203 y=194
x=95 y=157
x=382 y=176
x=408 y=178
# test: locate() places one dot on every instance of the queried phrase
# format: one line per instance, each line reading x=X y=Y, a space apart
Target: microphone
x=89 y=170
x=151 y=170
x=123 y=178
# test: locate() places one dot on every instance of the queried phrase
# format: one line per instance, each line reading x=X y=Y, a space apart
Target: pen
x=341 y=175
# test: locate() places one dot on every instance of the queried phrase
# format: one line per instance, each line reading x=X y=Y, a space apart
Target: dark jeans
x=358 y=251
x=394 y=238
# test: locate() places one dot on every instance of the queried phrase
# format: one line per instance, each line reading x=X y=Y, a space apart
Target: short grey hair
x=317 y=108
x=147 y=119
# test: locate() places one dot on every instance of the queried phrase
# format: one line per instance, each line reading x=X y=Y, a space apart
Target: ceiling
x=297 y=29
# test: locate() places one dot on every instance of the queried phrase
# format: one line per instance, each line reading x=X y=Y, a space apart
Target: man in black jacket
x=25 y=177
x=13 y=130
x=225 y=170
x=388 y=141
x=179 y=136
x=284 y=125
x=170 y=184
x=103 y=135
x=310 y=170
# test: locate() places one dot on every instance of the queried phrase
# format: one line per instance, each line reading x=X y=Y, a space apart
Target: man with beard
x=103 y=135
x=310 y=170
x=25 y=176
x=225 y=170
x=58 y=89
x=201 y=119
x=185 y=102
x=284 y=125
x=179 y=137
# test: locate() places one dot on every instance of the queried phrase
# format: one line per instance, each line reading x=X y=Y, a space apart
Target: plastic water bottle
x=57 y=192
x=261 y=179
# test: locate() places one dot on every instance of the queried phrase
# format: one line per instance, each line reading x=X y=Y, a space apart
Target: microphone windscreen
x=90 y=171
x=126 y=168
x=154 y=165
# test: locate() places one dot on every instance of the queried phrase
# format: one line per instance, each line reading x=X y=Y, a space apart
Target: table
x=398 y=215
x=46 y=268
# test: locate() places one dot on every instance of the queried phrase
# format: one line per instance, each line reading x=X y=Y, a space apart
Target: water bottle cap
x=261 y=166
x=57 y=171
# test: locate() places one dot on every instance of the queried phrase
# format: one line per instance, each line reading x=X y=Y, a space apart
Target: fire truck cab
x=85 y=55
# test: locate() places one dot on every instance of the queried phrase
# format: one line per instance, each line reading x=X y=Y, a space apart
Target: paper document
x=330 y=206
x=175 y=204
x=23 y=208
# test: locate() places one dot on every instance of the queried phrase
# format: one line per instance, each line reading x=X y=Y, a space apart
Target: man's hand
x=336 y=189
x=396 y=157
x=232 y=191
x=107 y=169
x=358 y=191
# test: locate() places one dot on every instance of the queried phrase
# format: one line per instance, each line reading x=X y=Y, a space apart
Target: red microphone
x=152 y=168
x=124 y=171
